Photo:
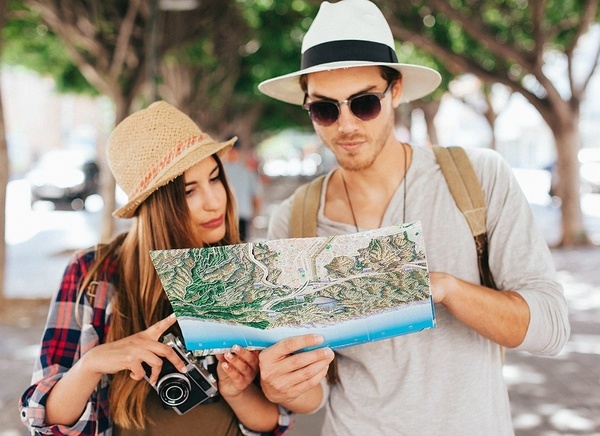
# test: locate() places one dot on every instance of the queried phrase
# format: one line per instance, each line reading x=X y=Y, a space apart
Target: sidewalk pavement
x=549 y=396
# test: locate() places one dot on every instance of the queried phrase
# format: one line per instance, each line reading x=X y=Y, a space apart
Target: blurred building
x=39 y=119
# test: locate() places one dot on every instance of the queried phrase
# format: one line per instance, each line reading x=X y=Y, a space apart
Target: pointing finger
x=155 y=331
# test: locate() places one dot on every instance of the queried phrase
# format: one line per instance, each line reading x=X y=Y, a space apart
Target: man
x=246 y=188
x=443 y=381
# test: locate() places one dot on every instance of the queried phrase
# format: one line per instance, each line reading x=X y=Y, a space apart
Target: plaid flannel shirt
x=65 y=340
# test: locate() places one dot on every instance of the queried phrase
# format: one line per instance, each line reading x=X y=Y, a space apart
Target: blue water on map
x=209 y=335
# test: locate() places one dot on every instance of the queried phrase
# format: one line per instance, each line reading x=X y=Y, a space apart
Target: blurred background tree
x=510 y=42
x=214 y=78
x=3 y=168
x=208 y=59
x=205 y=58
x=110 y=44
x=430 y=104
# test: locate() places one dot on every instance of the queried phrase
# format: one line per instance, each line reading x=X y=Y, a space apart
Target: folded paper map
x=349 y=288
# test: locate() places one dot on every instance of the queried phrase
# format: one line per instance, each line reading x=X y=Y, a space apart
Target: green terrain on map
x=256 y=285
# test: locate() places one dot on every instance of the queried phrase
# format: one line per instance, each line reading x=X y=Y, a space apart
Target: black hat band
x=348 y=50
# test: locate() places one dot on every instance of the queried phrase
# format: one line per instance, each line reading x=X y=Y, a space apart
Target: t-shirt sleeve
x=519 y=256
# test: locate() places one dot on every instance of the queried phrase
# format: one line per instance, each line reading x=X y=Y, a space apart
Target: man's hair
x=389 y=74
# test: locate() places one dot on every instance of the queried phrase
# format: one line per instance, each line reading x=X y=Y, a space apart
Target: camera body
x=183 y=391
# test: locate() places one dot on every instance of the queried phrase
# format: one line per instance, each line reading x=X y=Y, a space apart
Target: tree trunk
x=3 y=184
x=567 y=136
x=490 y=116
x=108 y=184
x=404 y=116
x=430 y=110
x=3 y=173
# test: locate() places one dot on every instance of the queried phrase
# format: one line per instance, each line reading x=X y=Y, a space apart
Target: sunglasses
x=364 y=106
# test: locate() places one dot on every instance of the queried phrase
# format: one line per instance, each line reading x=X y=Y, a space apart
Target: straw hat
x=346 y=34
x=153 y=146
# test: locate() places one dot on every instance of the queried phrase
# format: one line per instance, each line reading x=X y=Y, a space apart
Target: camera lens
x=174 y=389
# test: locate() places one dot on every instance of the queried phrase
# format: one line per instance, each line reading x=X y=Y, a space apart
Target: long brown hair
x=161 y=222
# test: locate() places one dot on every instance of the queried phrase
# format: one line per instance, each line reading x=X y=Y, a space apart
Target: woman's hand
x=236 y=369
x=70 y=394
x=129 y=353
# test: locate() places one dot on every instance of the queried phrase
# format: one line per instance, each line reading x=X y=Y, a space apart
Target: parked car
x=64 y=176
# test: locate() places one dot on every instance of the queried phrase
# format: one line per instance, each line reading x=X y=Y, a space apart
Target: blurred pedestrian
x=442 y=381
x=102 y=333
x=246 y=186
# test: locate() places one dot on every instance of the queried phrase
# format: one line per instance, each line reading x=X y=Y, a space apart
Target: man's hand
x=292 y=378
x=500 y=316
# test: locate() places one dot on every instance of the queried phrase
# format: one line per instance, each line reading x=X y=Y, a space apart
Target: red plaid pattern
x=65 y=340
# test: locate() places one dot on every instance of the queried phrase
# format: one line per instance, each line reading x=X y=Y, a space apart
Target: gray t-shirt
x=447 y=380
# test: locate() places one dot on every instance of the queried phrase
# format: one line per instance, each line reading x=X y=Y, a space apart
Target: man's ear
x=397 y=92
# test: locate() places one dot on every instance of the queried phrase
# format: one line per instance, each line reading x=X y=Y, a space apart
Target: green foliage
x=29 y=42
x=275 y=29
x=501 y=23
x=273 y=50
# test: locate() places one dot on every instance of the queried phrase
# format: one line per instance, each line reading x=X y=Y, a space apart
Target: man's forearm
x=501 y=316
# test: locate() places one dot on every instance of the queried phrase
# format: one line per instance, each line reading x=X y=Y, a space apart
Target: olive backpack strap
x=303 y=224
x=464 y=187
x=305 y=207
x=468 y=195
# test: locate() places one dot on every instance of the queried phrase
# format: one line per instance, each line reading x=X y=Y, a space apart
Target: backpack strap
x=468 y=195
x=305 y=207
x=303 y=224
x=464 y=187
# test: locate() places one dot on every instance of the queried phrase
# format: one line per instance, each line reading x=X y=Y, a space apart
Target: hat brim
x=417 y=81
x=197 y=153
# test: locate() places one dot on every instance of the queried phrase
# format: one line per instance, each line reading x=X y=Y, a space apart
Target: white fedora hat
x=346 y=34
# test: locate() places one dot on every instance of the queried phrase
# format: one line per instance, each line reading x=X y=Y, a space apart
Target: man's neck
x=366 y=194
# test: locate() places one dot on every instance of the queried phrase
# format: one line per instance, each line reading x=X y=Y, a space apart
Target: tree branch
x=587 y=17
x=67 y=25
x=455 y=62
x=124 y=38
x=477 y=31
x=538 y=32
x=589 y=12
x=595 y=66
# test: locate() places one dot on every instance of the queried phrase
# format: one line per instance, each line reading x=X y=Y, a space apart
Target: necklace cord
x=403 y=198
x=349 y=202
x=404 y=194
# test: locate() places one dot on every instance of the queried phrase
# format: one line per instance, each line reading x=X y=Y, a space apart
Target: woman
x=105 y=322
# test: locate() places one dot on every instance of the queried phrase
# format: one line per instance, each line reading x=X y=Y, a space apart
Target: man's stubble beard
x=351 y=161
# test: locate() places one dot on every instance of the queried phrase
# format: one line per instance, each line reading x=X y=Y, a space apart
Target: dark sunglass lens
x=366 y=107
x=323 y=112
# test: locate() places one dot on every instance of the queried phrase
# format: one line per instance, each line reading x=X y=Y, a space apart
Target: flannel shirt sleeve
x=65 y=340
x=284 y=423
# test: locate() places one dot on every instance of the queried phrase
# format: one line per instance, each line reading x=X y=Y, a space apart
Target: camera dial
x=174 y=389
x=182 y=392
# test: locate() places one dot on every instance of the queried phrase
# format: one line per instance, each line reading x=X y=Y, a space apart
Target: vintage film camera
x=184 y=391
